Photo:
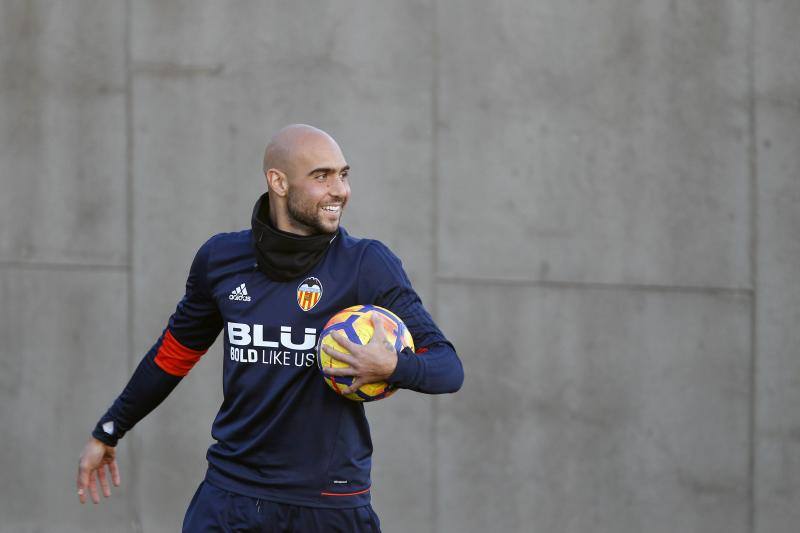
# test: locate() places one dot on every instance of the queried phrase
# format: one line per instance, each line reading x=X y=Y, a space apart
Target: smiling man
x=308 y=186
x=290 y=454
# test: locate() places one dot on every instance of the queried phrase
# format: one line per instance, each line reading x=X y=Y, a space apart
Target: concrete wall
x=599 y=202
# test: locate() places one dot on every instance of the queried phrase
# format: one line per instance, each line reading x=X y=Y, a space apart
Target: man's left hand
x=370 y=363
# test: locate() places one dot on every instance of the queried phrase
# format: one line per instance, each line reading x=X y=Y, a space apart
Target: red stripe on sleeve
x=175 y=358
x=422 y=350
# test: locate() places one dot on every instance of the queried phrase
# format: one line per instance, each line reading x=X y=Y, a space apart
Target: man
x=290 y=454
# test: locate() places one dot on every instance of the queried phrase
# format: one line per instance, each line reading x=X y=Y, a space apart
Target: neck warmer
x=283 y=256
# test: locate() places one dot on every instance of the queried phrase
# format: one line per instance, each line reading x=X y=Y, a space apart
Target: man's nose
x=339 y=187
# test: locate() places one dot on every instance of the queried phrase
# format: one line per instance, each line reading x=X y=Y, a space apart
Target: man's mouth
x=332 y=208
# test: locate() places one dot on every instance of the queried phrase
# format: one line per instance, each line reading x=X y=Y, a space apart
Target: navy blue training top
x=281 y=433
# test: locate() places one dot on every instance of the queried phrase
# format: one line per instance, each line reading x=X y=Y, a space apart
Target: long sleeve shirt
x=281 y=433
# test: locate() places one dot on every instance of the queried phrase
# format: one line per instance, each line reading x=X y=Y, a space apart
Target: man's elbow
x=456 y=380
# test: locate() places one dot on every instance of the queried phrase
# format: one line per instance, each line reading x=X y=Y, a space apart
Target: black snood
x=283 y=256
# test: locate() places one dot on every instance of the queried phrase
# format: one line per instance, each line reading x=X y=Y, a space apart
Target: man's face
x=318 y=189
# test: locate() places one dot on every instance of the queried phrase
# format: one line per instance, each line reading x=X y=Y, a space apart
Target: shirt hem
x=322 y=499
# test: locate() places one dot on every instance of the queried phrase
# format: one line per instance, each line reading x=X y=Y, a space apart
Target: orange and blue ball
x=355 y=323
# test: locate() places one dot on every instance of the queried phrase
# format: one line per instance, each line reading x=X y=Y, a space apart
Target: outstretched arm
x=192 y=329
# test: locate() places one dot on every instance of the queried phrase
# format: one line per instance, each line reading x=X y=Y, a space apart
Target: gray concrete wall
x=599 y=201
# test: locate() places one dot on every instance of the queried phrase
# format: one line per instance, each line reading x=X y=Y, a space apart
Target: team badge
x=308 y=293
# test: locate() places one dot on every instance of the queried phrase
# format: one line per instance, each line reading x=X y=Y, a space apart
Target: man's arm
x=191 y=330
x=378 y=361
x=435 y=368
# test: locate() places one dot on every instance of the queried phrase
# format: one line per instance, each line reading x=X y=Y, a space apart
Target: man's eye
x=320 y=177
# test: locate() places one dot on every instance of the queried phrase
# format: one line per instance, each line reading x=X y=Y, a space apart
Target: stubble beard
x=306 y=215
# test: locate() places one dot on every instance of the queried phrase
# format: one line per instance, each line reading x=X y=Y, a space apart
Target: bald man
x=307 y=181
x=290 y=454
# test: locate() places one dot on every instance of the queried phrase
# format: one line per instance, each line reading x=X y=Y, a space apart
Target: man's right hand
x=94 y=459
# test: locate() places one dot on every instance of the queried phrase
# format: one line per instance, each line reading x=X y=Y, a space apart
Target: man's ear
x=277 y=181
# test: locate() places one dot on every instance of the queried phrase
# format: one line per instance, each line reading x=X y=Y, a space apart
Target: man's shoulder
x=368 y=252
x=227 y=247
x=361 y=244
x=234 y=238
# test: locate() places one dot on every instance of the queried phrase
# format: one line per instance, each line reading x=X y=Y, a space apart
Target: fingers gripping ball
x=356 y=324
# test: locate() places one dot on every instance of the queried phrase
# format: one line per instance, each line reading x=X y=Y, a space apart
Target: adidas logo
x=239 y=293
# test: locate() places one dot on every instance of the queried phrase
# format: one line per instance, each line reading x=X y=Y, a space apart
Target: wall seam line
x=516 y=282
x=752 y=159
x=44 y=265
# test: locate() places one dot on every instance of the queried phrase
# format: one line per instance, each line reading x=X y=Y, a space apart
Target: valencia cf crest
x=308 y=293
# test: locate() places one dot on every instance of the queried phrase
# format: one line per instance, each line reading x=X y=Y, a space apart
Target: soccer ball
x=356 y=324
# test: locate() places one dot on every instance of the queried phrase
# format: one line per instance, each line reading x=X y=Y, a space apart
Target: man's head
x=307 y=179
